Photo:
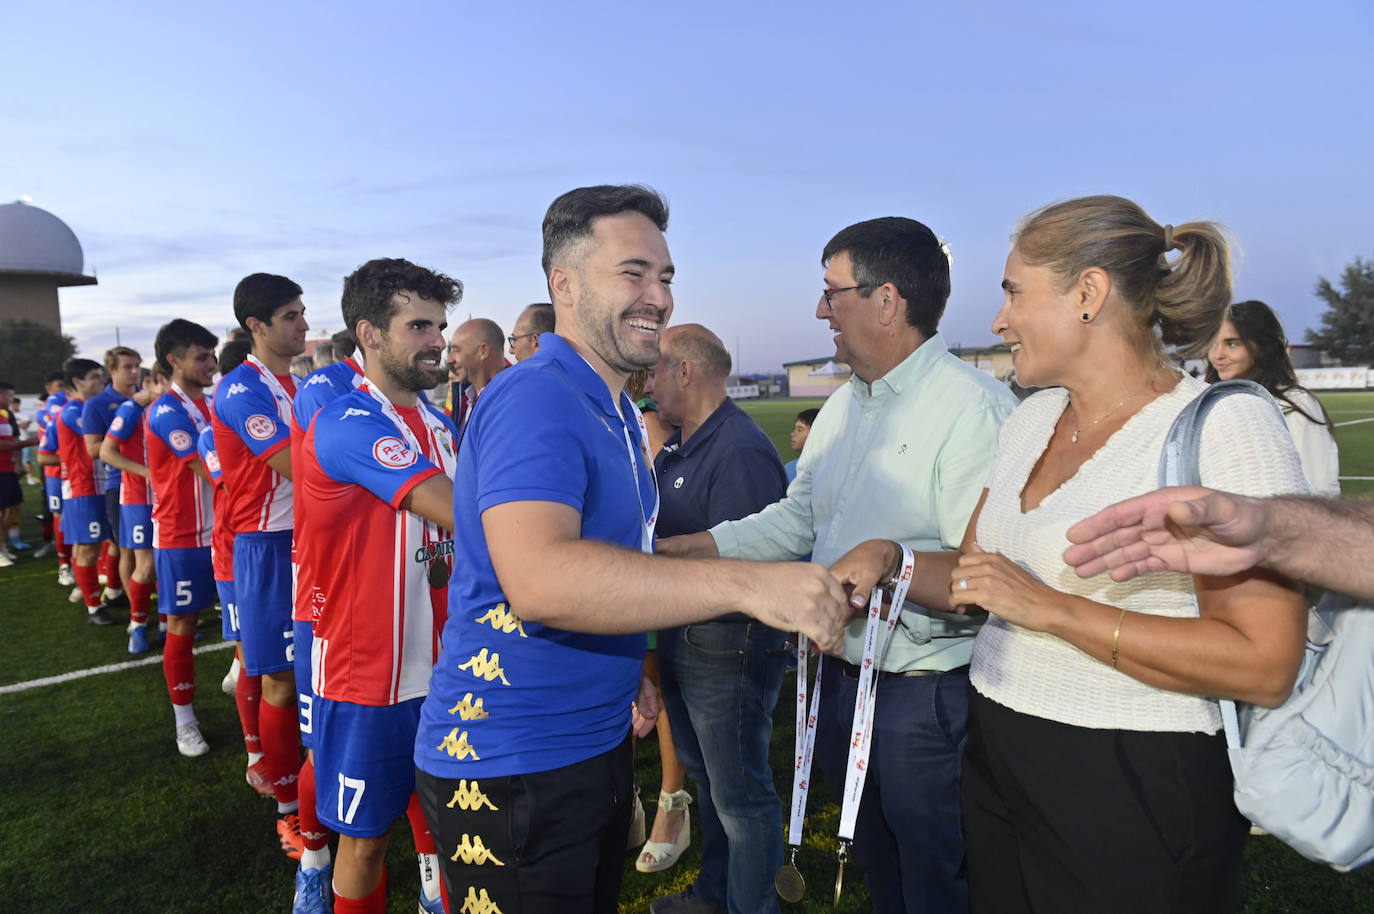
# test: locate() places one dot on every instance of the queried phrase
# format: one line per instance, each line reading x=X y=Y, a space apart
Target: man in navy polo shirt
x=523 y=749
x=720 y=677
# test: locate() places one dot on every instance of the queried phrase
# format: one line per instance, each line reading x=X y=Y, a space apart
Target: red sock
x=113 y=579
x=424 y=841
x=375 y=903
x=88 y=582
x=281 y=748
x=313 y=832
x=64 y=552
x=102 y=564
x=178 y=668
x=140 y=598
x=443 y=889
x=248 y=696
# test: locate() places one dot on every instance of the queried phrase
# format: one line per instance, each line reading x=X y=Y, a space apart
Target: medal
x=789 y=882
x=839 y=876
x=438 y=574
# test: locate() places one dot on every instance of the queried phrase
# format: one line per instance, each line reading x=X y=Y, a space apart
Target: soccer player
x=85 y=522
x=182 y=511
x=123 y=449
x=375 y=552
x=252 y=423
x=123 y=366
x=11 y=496
x=56 y=388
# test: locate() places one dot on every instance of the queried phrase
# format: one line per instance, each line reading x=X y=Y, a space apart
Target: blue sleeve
x=311 y=396
x=174 y=427
x=205 y=447
x=248 y=407
x=71 y=418
x=363 y=448
x=125 y=421
x=522 y=439
x=95 y=416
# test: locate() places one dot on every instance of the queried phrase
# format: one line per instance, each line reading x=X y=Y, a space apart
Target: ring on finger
x=963 y=583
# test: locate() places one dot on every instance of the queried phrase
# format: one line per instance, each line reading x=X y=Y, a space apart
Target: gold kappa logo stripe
x=484 y=667
x=468 y=709
x=456 y=744
x=503 y=620
x=474 y=852
x=470 y=798
x=477 y=902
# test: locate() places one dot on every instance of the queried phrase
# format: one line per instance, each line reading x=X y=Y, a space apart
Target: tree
x=1347 y=333
x=30 y=351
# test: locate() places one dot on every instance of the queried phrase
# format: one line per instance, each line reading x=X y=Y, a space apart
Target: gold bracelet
x=1116 y=635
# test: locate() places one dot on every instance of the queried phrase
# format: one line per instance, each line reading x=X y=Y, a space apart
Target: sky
x=188 y=145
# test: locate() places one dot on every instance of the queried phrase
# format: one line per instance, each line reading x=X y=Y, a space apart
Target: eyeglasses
x=519 y=336
x=830 y=302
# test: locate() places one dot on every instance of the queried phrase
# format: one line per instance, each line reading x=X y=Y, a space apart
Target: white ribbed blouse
x=1321 y=461
x=1245 y=449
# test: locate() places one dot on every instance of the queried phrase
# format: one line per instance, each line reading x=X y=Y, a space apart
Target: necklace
x=1074 y=417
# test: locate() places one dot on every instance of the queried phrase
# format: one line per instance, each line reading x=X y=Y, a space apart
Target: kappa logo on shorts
x=354 y=411
x=471 y=798
x=179 y=439
x=477 y=902
x=117 y=424
x=235 y=388
x=260 y=427
x=392 y=452
x=473 y=852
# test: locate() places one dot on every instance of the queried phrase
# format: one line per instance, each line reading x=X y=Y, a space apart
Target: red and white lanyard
x=197 y=417
x=279 y=393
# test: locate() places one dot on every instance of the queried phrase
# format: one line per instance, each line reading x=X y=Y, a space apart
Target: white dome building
x=38 y=255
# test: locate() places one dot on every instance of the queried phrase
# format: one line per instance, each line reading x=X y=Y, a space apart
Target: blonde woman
x=1095 y=778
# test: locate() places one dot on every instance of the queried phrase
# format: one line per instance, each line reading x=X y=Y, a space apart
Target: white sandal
x=658 y=856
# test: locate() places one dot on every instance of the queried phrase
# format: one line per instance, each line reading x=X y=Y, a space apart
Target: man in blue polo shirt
x=720 y=677
x=523 y=749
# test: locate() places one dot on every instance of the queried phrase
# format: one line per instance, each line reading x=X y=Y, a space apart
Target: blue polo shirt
x=510 y=696
x=96 y=417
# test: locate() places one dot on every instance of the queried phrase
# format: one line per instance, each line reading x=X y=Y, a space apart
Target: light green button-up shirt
x=906 y=462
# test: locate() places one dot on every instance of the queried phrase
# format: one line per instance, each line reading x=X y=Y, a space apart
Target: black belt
x=852 y=671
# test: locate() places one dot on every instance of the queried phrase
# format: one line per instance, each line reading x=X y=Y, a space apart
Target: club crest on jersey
x=354 y=411
x=212 y=461
x=235 y=388
x=117 y=424
x=179 y=439
x=260 y=427
x=392 y=452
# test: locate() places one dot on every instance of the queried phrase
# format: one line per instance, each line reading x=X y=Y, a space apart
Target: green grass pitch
x=100 y=813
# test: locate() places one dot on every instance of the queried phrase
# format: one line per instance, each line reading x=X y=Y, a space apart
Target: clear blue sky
x=189 y=144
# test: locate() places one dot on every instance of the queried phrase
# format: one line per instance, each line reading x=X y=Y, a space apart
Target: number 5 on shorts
x=184 y=594
x=356 y=784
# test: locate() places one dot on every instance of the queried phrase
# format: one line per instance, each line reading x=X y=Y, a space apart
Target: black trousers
x=1061 y=819
x=552 y=841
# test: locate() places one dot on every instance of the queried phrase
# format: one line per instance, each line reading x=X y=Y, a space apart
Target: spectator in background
x=1252 y=345
x=324 y=354
x=301 y=366
x=801 y=428
x=534 y=320
x=11 y=444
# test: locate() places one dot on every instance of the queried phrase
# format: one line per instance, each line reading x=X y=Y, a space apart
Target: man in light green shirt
x=900 y=453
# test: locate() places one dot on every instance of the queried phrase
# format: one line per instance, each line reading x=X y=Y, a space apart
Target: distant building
x=815 y=377
x=995 y=360
x=38 y=256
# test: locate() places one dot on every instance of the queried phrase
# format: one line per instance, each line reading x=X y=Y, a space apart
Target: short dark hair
x=345 y=344
x=259 y=294
x=58 y=375
x=178 y=335
x=808 y=416
x=569 y=218
x=903 y=252
x=368 y=290
x=543 y=318
x=78 y=368
x=233 y=354
x=6 y=385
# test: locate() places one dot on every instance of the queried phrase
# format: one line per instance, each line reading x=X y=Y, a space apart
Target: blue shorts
x=364 y=764
x=52 y=487
x=84 y=520
x=262 y=578
x=305 y=694
x=135 y=526
x=185 y=579
x=229 y=610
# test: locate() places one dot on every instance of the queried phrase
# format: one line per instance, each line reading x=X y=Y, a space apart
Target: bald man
x=720 y=678
x=475 y=353
x=534 y=320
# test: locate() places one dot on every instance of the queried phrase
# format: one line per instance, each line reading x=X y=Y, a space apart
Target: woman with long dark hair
x=1251 y=344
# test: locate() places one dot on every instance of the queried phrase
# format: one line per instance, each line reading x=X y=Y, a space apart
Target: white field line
x=1353 y=422
x=102 y=670
x=1356 y=478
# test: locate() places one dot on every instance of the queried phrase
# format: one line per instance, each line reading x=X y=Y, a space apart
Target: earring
x=1086 y=317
